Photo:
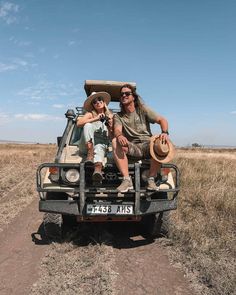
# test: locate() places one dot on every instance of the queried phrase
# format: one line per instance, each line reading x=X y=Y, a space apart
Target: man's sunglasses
x=127 y=93
x=96 y=100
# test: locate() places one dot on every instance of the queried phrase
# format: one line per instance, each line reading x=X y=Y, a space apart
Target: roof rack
x=112 y=87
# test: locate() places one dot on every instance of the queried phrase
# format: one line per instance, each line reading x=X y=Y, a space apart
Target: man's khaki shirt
x=136 y=125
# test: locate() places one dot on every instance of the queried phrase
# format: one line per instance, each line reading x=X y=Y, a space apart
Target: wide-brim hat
x=162 y=152
x=88 y=102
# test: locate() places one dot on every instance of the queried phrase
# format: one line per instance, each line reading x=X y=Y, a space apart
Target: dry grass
x=18 y=164
x=202 y=153
x=69 y=269
x=204 y=224
x=203 y=229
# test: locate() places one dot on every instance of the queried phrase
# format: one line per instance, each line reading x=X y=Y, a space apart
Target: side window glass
x=76 y=134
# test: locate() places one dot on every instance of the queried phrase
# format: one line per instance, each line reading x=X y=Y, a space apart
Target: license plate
x=110 y=209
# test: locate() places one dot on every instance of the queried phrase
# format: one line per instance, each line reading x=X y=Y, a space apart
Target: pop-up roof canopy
x=112 y=87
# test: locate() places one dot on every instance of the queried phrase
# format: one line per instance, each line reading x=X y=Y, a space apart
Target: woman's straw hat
x=88 y=102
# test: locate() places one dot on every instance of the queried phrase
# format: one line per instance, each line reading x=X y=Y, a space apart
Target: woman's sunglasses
x=127 y=93
x=96 y=100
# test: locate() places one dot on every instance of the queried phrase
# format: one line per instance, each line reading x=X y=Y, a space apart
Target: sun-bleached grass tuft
x=203 y=227
x=69 y=269
x=18 y=164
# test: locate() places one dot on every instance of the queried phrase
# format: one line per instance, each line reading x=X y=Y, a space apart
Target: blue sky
x=180 y=53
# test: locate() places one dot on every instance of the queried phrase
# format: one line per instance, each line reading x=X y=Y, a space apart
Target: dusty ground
x=94 y=259
x=99 y=259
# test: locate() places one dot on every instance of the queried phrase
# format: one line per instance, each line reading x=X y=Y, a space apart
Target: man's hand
x=123 y=141
x=110 y=121
x=164 y=137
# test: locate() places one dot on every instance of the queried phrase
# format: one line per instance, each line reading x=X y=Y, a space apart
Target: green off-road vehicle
x=66 y=189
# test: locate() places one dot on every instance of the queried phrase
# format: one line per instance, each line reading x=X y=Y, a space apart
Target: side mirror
x=70 y=114
x=59 y=140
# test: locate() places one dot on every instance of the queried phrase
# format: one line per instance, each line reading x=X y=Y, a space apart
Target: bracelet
x=165 y=132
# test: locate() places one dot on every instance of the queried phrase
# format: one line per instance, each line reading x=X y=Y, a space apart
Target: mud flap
x=156 y=225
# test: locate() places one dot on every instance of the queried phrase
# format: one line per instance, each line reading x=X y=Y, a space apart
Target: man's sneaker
x=125 y=185
x=151 y=185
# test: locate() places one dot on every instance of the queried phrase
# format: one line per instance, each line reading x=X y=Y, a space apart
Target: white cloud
x=14 y=64
x=37 y=117
x=19 y=42
x=8 y=12
x=58 y=106
x=20 y=62
x=233 y=112
x=45 y=90
x=7 y=67
x=4 y=118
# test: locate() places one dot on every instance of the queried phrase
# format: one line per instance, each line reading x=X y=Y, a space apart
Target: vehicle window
x=114 y=106
x=75 y=136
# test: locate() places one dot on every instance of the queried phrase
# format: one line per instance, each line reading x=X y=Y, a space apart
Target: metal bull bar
x=144 y=202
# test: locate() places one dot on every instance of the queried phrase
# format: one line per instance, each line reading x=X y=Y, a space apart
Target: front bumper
x=71 y=207
x=142 y=201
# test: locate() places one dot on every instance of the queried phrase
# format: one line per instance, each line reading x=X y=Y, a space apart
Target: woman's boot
x=90 y=151
x=97 y=174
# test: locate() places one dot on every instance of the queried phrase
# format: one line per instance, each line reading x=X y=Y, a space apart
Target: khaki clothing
x=136 y=128
x=139 y=151
x=136 y=125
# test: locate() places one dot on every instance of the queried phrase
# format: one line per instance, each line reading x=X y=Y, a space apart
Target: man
x=132 y=136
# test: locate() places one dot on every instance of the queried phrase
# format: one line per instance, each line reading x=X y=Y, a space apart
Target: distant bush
x=196 y=145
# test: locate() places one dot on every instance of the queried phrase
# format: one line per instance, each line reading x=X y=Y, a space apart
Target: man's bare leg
x=120 y=158
x=155 y=168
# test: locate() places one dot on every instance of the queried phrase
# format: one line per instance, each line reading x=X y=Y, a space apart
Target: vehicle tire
x=156 y=225
x=53 y=226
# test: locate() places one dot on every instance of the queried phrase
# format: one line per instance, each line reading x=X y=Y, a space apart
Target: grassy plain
x=203 y=227
x=84 y=271
x=18 y=165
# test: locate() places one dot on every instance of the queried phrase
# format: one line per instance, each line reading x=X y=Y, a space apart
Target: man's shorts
x=139 y=151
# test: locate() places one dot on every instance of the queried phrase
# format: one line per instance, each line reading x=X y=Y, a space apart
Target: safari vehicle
x=66 y=189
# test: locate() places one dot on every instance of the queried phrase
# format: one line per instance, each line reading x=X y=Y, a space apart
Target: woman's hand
x=99 y=117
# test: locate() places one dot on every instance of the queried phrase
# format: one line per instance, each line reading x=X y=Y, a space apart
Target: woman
x=97 y=129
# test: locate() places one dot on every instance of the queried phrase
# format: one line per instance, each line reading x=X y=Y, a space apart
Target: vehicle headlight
x=72 y=175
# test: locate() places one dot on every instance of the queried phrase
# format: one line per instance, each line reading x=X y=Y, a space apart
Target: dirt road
x=113 y=259
x=19 y=257
x=93 y=259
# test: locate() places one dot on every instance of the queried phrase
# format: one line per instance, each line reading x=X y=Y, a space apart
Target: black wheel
x=56 y=225
x=53 y=226
x=156 y=225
